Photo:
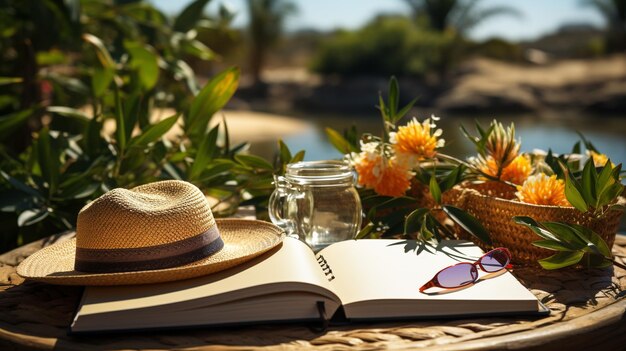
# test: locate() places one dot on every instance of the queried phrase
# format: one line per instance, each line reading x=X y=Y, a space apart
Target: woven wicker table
x=588 y=309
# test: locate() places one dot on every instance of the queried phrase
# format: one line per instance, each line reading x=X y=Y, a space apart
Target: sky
x=538 y=17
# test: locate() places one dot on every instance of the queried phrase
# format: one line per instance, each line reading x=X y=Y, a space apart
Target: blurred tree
x=460 y=15
x=267 y=18
x=32 y=34
x=614 y=12
x=456 y=16
x=43 y=60
x=388 y=45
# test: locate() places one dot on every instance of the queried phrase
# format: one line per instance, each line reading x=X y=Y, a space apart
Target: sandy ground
x=491 y=73
x=243 y=126
x=576 y=84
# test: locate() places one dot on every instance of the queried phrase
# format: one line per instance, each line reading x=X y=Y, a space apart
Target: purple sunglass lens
x=494 y=261
x=457 y=275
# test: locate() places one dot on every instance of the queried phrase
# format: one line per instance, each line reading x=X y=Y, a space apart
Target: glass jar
x=316 y=201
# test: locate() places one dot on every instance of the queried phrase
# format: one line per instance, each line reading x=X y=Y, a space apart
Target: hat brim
x=243 y=241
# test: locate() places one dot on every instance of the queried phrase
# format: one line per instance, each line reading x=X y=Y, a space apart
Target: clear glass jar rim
x=320 y=173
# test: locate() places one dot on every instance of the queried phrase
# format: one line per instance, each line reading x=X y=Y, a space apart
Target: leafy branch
x=597 y=190
x=574 y=244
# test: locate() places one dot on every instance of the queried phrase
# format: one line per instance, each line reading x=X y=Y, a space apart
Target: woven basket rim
x=621 y=200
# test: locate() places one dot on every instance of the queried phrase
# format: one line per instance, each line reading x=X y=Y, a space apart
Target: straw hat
x=157 y=232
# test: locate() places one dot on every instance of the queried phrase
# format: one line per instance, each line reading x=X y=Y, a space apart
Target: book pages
x=379 y=274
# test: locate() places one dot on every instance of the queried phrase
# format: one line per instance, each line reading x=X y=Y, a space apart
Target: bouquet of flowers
x=500 y=197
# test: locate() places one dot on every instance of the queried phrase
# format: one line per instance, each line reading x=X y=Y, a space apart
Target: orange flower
x=395 y=180
x=387 y=176
x=516 y=172
x=417 y=139
x=369 y=165
x=542 y=189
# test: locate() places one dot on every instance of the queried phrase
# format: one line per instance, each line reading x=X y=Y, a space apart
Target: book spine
x=325 y=268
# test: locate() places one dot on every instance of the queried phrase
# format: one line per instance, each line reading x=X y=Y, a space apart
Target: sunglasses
x=466 y=273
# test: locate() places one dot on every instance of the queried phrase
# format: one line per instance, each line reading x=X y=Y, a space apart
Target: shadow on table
x=40 y=315
x=571 y=286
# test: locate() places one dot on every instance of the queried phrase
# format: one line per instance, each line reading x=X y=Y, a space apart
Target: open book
x=368 y=279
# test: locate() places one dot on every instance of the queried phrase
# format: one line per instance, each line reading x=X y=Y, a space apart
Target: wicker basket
x=491 y=203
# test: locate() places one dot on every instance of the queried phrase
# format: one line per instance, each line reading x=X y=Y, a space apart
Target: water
x=558 y=133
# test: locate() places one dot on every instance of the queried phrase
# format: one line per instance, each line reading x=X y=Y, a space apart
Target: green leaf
x=394 y=98
x=534 y=226
x=553 y=245
x=101 y=80
x=589 y=181
x=433 y=226
x=393 y=202
x=367 y=230
x=553 y=163
x=467 y=222
x=190 y=15
x=15 y=201
x=172 y=171
x=254 y=162
x=284 y=153
x=587 y=143
x=226 y=136
x=69 y=112
x=9 y=123
x=120 y=123
x=414 y=220
x=48 y=157
x=608 y=186
x=453 y=178
x=617 y=170
x=425 y=233
x=564 y=232
x=479 y=142
x=610 y=194
x=338 y=141
x=204 y=154
x=405 y=109
x=561 y=259
x=103 y=54
x=153 y=132
x=383 y=109
x=9 y=80
x=435 y=191
x=617 y=207
x=576 y=148
x=422 y=176
x=592 y=238
x=80 y=189
x=211 y=98
x=572 y=192
x=605 y=178
x=197 y=49
x=31 y=216
x=145 y=61
x=19 y=185
x=68 y=83
x=215 y=169
x=92 y=137
x=299 y=156
x=51 y=57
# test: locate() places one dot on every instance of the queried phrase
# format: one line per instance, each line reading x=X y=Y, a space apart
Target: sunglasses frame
x=434 y=282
